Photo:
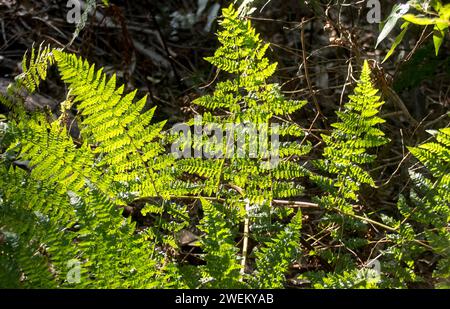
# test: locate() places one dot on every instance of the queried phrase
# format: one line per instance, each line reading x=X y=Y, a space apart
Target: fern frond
x=273 y=259
x=35 y=67
x=428 y=206
x=121 y=132
x=55 y=159
x=347 y=146
x=222 y=263
x=247 y=100
x=33 y=218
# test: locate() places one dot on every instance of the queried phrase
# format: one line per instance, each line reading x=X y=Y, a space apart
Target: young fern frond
x=35 y=67
x=346 y=148
x=345 y=155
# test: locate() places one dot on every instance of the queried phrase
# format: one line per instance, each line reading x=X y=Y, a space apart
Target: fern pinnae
x=346 y=147
x=116 y=124
x=35 y=67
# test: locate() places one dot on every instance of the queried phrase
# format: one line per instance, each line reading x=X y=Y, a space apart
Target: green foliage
x=343 y=173
x=251 y=102
x=82 y=214
x=429 y=12
x=429 y=211
x=108 y=206
x=222 y=262
x=35 y=67
x=425 y=214
x=27 y=234
x=247 y=181
x=346 y=148
x=45 y=230
x=397 y=12
x=276 y=255
x=118 y=159
x=114 y=125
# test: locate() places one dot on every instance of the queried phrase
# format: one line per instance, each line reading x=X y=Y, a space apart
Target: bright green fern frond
x=436 y=155
x=222 y=262
x=428 y=207
x=35 y=67
x=34 y=221
x=273 y=259
x=116 y=124
x=247 y=166
x=347 y=146
x=244 y=108
x=343 y=170
x=54 y=157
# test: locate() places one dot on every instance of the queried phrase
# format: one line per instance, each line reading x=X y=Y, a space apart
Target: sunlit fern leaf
x=276 y=255
x=249 y=100
x=222 y=262
x=427 y=206
x=121 y=131
x=255 y=170
x=55 y=158
x=346 y=148
x=34 y=66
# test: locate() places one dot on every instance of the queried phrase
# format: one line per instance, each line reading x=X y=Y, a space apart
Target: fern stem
x=287 y=203
x=370 y=221
x=296 y=204
x=244 y=247
x=314 y=205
